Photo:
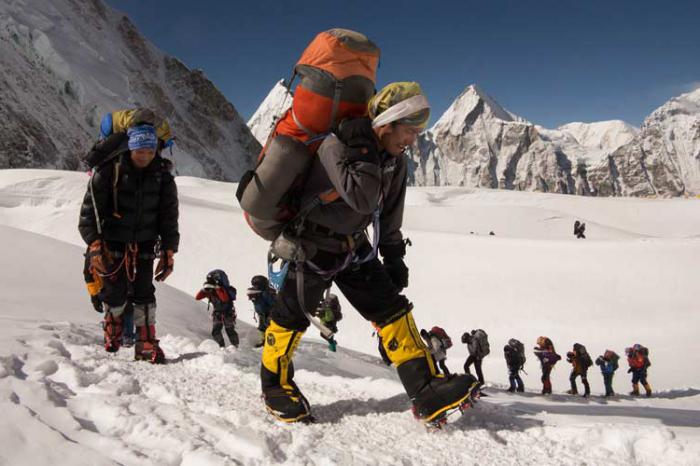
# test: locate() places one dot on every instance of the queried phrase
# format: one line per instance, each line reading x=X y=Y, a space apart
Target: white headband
x=401 y=110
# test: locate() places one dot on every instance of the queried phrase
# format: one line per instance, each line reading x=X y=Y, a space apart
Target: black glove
x=96 y=303
x=393 y=254
x=398 y=272
x=357 y=133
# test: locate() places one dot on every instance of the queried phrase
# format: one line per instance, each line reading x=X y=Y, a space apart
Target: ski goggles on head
x=414 y=111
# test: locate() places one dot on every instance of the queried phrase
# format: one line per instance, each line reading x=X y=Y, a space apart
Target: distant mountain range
x=478 y=143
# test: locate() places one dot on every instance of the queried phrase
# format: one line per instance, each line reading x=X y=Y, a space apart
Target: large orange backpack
x=337 y=74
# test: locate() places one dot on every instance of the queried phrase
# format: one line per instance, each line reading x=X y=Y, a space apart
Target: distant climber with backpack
x=608 y=364
x=130 y=207
x=477 y=342
x=548 y=358
x=438 y=342
x=221 y=295
x=329 y=312
x=580 y=361
x=327 y=174
x=514 y=353
x=579 y=230
x=638 y=360
x=263 y=297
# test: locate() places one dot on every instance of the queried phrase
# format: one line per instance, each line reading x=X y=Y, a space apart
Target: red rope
x=129 y=262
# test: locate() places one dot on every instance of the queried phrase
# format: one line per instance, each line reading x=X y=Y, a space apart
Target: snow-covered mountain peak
x=471 y=106
x=277 y=101
x=601 y=135
x=687 y=104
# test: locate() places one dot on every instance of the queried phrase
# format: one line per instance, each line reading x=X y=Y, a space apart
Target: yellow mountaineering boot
x=281 y=396
x=432 y=394
x=647 y=388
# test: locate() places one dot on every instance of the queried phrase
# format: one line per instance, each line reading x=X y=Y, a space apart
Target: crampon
x=440 y=420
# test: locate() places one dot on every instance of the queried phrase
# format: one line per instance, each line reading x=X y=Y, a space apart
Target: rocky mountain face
x=662 y=160
x=477 y=143
x=66 y=63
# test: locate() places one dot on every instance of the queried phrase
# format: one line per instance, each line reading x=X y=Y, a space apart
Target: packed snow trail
x=66 y=401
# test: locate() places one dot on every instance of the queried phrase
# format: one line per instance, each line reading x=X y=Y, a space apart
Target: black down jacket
x=133 y=205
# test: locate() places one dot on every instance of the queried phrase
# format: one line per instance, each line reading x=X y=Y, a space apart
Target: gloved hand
x=397 y=270
x=99 y=257
x=393 y=254
x=166 y=265
x=357 y=133
x=97 y=303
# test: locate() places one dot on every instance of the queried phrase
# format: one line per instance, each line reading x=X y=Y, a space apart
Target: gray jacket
x=363 y=187
x=436 y=349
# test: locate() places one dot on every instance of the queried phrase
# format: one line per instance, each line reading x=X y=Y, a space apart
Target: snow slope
x=66 y=401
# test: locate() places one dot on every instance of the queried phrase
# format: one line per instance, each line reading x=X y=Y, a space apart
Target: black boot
x=432 y=394
x=287 y=404
x=442 y=394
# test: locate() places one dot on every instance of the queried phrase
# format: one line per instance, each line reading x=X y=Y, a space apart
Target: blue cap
x=142 y=137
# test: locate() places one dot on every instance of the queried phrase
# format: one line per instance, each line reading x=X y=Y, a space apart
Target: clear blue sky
x=550 y=61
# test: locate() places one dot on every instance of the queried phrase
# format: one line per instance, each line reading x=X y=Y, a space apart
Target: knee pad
x=116 y=311
x=144 y=314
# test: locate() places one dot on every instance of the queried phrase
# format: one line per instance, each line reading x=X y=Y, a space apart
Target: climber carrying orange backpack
x=327 y=174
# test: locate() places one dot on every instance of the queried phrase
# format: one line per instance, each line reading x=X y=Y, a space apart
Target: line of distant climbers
x=477 y=340
x=221 y=296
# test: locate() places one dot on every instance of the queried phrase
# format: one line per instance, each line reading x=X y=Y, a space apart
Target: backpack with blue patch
x=614 y=359
x=113 y=139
